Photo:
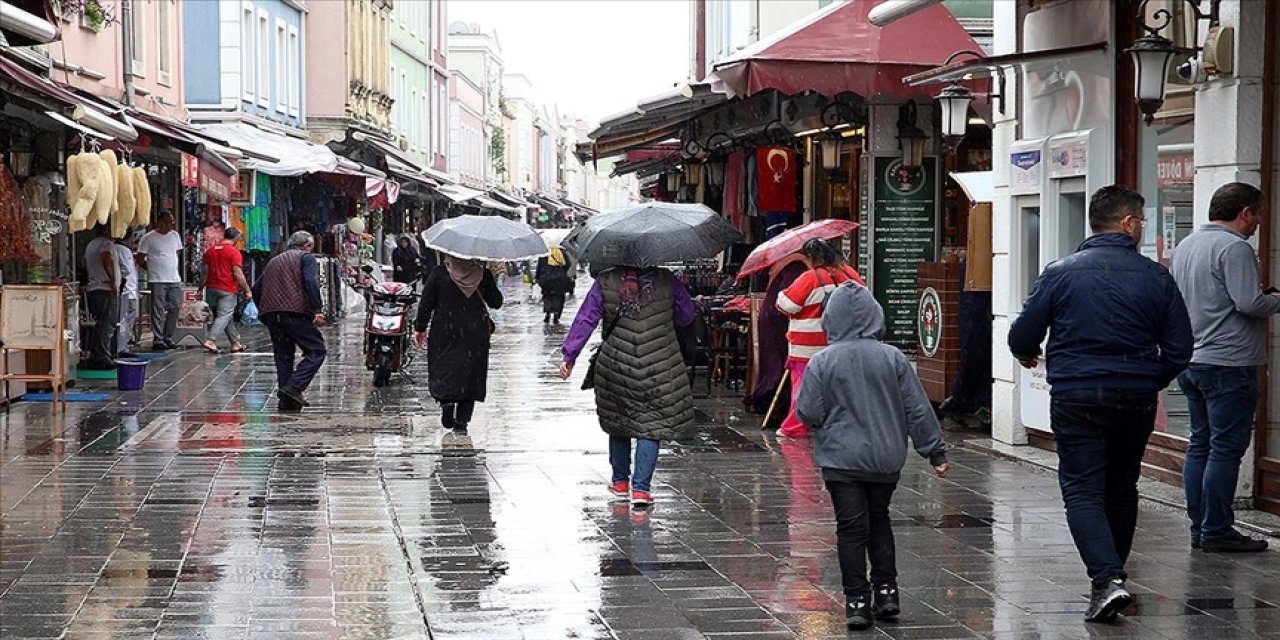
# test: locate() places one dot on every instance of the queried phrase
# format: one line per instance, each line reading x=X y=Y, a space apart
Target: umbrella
x=489 y=238
x=651 y=234
x=790 y=242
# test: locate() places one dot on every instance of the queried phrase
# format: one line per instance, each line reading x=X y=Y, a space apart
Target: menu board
x=905 y=224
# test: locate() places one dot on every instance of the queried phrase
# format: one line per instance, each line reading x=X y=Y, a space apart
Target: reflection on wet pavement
x=192 y=510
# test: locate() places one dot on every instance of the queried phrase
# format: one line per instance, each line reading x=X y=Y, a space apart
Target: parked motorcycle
x=388 y=347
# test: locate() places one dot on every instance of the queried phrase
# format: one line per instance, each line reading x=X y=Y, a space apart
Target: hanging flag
x=776 y=179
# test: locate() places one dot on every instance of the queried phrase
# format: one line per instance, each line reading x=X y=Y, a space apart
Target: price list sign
x=905 y=235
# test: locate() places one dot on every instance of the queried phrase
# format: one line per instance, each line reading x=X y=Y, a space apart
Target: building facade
x=410 y=78
x=90 y=57
x=478 y=56
x=468 y=149
x=257 y=70
x=1073 y=126
x=522 y=134
x=348 y=53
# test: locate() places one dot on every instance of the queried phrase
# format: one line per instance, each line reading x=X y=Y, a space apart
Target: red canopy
x=837 y=49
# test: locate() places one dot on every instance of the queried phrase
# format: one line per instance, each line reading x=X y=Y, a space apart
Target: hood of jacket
x=852 y=313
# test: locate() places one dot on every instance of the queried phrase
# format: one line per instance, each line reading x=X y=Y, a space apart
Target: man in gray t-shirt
x=104 y=298
x=1217 y=271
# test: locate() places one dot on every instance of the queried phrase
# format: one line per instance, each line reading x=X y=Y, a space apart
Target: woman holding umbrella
x=639 y=375
x=803 y=302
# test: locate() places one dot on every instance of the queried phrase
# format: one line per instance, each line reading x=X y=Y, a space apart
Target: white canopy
x=296 y=156
x=977 y=185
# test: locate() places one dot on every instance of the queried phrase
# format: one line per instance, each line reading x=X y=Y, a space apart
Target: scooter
x=387 y=341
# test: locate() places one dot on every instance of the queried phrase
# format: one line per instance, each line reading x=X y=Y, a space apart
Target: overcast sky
x=589 y=57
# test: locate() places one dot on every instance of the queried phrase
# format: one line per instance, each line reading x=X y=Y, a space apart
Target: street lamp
x=20 y=161
x=911 y=139
x=953 y=103
x=715 y=172
x=830 y=152
x=673 y=181
x=1153 y=53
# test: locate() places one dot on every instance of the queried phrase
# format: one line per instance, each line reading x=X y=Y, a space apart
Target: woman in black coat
x=455 y=306
x=406 y=261
x=556 y=283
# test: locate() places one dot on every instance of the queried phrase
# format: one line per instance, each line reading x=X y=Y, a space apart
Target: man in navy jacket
x=1119 y=333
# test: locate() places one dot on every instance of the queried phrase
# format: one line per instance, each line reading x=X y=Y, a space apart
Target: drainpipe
x=126 y=28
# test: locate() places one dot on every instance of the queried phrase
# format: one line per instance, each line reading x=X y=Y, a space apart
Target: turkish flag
x=775 y=180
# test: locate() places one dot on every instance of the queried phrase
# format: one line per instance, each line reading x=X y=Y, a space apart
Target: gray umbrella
x=651 y=234
x=489 y=238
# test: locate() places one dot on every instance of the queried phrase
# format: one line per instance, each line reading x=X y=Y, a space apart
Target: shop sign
x=190 y=171
x=930 y=322
x=1025 y=172
x=1175 y=169
x=242 y=187
x=194 y=312
x=1034 y=396
x=905 y=234
x=214 y=182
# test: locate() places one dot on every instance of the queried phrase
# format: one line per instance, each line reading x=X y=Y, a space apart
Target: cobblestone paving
x=192 y=510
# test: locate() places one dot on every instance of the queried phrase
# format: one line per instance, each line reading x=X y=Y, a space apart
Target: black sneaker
x=1234 y=542
x=857 y=615
x=289 y=406
x=887 y=604
x=293 y=395
x=160 y=346
x=1107 y=602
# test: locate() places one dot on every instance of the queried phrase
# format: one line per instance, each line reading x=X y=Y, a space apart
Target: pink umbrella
x=790 y=242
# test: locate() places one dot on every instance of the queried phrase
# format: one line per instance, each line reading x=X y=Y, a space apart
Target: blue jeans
x=1101 y=436
x=646 y=460
x=1222 y=401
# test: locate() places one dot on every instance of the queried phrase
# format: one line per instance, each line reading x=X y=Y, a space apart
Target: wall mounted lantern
x=830 y=147
x=1153 y=53
x=673 y=181
x=715 y=172
x=20 y=162
x=953 y=104
x=911 y=139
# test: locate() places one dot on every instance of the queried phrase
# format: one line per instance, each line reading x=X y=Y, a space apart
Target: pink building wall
x=326 y=57
x=102 y=53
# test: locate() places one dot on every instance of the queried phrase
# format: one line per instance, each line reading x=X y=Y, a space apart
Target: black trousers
x=1101 y=435
x=290 y=332
x=863 y=532
x=457 y=414
x=104 y=306
x=553 y=303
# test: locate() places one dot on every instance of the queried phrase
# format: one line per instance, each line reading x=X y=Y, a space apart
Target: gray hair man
x=290 y=306
x=1217 y=271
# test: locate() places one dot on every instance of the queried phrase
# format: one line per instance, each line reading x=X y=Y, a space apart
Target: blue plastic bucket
x=131 y=374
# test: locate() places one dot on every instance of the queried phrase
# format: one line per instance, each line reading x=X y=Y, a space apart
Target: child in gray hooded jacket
x=863 y=400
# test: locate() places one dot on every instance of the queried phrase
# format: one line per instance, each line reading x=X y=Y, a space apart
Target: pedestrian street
x=193 y=509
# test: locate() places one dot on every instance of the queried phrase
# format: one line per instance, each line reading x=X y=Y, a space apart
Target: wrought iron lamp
x=911 y=139
x=953 y=103
x=1153 y=53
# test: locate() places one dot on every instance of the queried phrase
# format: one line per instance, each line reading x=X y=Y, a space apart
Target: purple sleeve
x=584 y=324
x=684 y=311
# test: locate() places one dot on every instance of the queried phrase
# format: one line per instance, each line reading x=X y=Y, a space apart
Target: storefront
x=1071 y=125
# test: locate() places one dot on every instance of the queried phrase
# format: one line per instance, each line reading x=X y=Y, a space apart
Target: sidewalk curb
x=1252 y=520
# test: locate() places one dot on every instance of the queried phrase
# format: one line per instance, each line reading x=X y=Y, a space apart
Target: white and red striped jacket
x=802 y=302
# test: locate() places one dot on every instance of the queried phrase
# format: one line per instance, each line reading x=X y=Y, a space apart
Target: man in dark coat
x=455 y=307
x=1119 y=333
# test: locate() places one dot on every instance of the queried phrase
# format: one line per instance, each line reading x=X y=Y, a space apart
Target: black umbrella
x=651 y=234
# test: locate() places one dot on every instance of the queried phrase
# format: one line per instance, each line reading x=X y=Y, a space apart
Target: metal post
x=126 y=28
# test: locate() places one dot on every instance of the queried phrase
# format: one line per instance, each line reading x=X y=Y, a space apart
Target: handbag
x=489 y=324
x=589 y=380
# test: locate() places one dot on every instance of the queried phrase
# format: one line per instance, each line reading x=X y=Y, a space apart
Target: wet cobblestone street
x=193 y=510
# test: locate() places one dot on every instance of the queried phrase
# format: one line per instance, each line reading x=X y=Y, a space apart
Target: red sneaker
x=641 y=499
x=620 y=488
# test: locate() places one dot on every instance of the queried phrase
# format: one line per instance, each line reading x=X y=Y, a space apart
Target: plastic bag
x=249 y=316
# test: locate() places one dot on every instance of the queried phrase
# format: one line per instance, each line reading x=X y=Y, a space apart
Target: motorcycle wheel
x=382 y=371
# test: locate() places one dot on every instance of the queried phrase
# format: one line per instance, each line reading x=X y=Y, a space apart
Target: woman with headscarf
x=803 y=302
x=406 y=261
x=455 y=306
x=553 y=278
x=641 y=381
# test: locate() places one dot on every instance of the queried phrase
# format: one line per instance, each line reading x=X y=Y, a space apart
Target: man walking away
x=158 y=252
x=1118 y=335
x=223 y=281
x=1217 y=271
x=128 y=295
x=104 y=303
x=289 y=305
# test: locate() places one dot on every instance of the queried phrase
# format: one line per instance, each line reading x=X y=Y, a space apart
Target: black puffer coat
x=458 y=337
x=642 y=383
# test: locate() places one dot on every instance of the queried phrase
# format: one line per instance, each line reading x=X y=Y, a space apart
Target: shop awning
x=457 y=192
x=295 y=156
x=78 y=109
x=387 y=148
x=485 y=202
x=838 y=49
x=27 y=22
x=978 y=186
x=511 y=200
x=653 y=120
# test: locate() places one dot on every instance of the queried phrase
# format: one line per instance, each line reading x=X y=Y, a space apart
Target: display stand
x=33 y=318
